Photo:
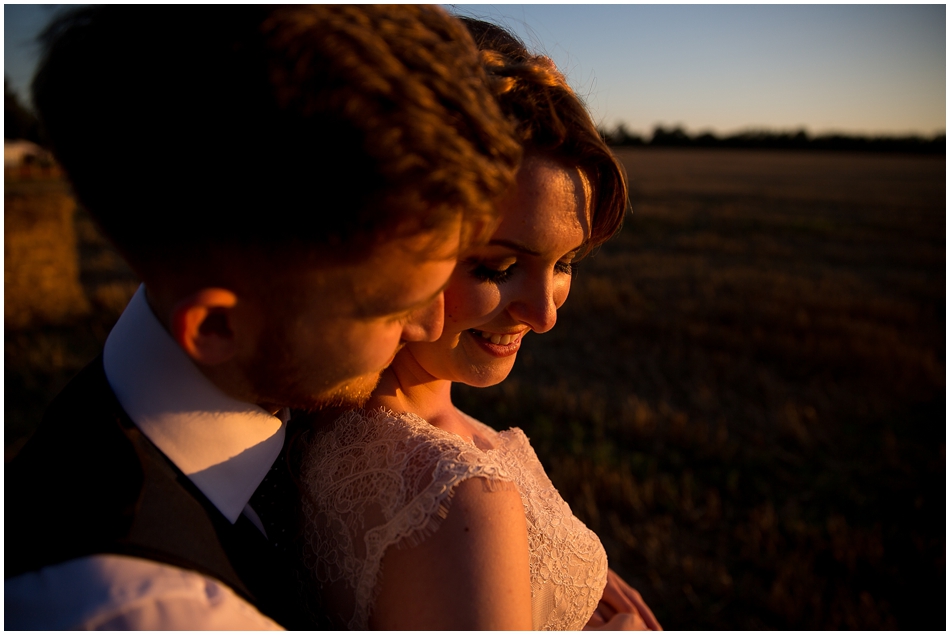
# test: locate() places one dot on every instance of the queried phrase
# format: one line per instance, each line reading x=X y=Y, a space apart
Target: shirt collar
x=223 y=445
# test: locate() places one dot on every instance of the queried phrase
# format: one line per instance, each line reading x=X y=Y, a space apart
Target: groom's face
x=336 y=328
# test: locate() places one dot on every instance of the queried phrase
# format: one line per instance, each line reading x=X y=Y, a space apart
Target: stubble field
x=744 y=395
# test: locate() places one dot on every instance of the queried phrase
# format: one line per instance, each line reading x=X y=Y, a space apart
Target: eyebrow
x=522 y=248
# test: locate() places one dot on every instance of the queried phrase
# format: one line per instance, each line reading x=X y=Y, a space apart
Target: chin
x=485 y=379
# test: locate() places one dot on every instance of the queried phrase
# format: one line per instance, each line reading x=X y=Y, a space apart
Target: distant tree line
x=19 y=122
x=763 y=139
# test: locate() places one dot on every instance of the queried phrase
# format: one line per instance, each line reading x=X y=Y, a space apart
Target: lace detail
x=375 y=480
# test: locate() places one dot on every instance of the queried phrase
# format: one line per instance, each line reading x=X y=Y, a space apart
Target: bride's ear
x=203 y=324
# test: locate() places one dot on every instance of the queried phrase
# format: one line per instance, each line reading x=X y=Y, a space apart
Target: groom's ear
x=204 y=325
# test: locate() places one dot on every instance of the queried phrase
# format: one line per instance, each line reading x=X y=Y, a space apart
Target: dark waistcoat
x=89 y=482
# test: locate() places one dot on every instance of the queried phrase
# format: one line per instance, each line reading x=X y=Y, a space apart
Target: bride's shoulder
x=395 y=456
x=381 y=437
x=510 y=437
x=368 y=425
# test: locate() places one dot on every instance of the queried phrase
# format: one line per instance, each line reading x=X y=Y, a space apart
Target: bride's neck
x=406 y=387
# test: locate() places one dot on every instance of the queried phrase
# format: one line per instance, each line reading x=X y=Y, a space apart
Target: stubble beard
x=347 y=397
x=277 y=377
x=283 y=386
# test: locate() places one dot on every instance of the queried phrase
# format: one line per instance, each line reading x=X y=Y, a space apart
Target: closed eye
x=569 y=268
x=487 y=274
x=400 y=318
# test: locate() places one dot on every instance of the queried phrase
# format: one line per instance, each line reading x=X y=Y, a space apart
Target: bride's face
x=515 y=284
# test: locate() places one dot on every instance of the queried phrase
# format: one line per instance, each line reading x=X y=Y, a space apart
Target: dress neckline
x=492 y=440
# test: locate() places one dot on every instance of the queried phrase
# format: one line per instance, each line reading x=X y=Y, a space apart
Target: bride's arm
x=471 y=574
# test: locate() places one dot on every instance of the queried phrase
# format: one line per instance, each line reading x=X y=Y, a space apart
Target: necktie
x=275 y=501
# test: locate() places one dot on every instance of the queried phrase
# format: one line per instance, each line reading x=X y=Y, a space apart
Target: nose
x=537 y=306
x=425 y=324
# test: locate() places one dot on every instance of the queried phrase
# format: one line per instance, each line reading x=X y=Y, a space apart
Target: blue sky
x=851 y=68
x=21 y=24
x=865 y=69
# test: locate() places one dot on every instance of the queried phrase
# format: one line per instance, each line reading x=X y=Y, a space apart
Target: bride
x=417 y=516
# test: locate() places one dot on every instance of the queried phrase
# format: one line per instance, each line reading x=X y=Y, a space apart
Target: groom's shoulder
x=76 y=462
x=86 y=394
x=81 y=428
x=75 y=426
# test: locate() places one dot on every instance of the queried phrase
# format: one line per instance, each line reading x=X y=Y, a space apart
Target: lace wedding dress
x=376 y=480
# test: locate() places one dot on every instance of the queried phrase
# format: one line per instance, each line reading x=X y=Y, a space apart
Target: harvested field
x=744 y=395
x=41 y=263
x=64 y=289
x=745 y=392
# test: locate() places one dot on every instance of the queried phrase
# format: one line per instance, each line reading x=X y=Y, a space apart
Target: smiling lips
x=498 y=344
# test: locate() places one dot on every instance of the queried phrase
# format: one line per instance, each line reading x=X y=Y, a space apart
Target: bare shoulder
x=470 y=574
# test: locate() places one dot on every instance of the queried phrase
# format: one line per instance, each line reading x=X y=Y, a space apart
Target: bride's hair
x=552 y=120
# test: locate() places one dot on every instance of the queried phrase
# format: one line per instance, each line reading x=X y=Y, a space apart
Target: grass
x=744 y=395
x=41 y=356
x=745 y=392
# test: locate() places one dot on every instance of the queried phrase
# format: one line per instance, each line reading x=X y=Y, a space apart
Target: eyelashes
x=569 y=268
x=483 y=272
x=487 y=274
x=400 y=318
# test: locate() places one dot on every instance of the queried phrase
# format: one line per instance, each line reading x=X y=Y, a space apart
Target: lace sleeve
x=372 y=481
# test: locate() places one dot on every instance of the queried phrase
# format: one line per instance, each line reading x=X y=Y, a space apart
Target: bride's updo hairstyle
x=553 y=121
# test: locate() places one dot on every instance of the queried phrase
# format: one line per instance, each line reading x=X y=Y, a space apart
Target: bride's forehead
x=550 y=196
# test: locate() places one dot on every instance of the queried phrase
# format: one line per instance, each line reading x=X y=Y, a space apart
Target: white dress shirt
x=223 y=445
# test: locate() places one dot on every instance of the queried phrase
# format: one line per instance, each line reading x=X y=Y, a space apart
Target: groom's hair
x=287 y=130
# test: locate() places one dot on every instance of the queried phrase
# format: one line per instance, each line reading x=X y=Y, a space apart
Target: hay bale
x=41 y=258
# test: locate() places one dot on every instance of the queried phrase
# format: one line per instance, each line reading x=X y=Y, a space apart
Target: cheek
x=370 y=348
x=384 y=341
x=561 y=292
x=469 y=305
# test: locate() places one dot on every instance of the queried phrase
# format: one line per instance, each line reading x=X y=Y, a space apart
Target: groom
x=292 y=185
